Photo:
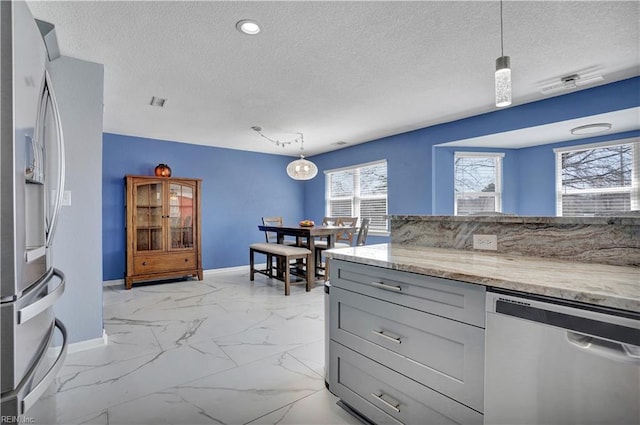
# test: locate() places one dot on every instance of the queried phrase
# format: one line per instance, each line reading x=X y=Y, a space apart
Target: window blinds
x=359 y=191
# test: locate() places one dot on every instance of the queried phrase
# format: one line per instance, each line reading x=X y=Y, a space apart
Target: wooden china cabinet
x=163 y=228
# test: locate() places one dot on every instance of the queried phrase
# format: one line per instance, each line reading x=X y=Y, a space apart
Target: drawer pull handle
x=385 y=286
x=397 y=340
x=144 y=263
x=393 y=405
x=186 y=260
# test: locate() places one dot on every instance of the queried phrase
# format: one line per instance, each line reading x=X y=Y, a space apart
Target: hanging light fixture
x=503 y=72
x=300 y=169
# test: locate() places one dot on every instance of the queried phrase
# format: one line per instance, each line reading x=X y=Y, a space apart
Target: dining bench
x=284 y=254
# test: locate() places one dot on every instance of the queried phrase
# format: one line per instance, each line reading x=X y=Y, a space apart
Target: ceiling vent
x=571 y=82
x=157 y=101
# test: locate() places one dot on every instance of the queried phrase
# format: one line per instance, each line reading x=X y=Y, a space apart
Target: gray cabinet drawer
x=386 y=397
x=448 y=298
x=443 y=354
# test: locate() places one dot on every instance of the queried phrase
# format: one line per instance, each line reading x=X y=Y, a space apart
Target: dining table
x=309 y=233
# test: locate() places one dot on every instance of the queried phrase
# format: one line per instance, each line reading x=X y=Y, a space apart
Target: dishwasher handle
x=615 y=351
x=624 y=329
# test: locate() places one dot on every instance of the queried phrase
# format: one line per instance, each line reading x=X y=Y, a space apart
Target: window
x=478 y=182
x=359 y=191
x=597 y=178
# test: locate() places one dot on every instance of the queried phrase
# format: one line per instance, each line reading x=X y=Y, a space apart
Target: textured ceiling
x=336 y=71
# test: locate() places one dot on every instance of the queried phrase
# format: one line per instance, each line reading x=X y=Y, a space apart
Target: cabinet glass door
x=181 y=219
x=149 y=212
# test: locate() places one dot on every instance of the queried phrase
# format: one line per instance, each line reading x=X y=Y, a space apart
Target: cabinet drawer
x=164 y=263
x=443 y=354
x=386 y=397
x=448 y=298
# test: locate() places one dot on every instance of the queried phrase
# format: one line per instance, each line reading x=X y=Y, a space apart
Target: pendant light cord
x=501 y=32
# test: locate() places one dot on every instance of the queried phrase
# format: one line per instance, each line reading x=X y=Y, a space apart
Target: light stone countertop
x=628 y=218
x=599 y=284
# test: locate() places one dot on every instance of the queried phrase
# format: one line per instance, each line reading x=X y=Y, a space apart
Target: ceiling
x=621 y=121
x=336 y=71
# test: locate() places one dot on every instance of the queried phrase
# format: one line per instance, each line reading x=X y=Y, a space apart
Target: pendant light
x=299 y=169
x=503 y=72
x=302 y=169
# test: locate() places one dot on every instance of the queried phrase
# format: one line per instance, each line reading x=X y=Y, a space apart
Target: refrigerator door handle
x=61 y=160
x=34 y=395
x=32 y=310
x=37 y=145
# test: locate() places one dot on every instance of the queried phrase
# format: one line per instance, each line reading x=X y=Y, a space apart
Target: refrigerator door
x=25 y=326
x=22 y=155
x=30 y=397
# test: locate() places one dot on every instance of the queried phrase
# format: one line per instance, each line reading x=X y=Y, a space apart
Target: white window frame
x=497 y=194
x=635 y=172
x=357 y=197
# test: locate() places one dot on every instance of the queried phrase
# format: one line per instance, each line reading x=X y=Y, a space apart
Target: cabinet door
x=149 y=211
x=181 y=215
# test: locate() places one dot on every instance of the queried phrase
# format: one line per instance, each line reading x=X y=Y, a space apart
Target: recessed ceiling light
x=591 y=129
x=248 y=26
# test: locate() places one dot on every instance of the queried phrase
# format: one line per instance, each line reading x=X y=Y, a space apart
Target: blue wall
x=443 y=178
x=420 y=175
x=536 y=174
x=238 y=189
x=528 y=176
x=408 y=158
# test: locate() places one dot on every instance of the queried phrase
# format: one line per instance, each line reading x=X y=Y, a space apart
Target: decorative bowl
x=307 y=223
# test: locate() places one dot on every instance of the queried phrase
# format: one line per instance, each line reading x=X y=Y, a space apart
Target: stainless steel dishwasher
x=554 y=362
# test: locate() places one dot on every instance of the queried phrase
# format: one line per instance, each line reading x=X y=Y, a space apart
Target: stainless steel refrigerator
x=32 y=183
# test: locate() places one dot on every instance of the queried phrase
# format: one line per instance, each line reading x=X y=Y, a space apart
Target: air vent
x=571 y=82
x=157 y=101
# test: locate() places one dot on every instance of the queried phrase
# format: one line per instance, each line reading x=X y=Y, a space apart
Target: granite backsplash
x=602 y=240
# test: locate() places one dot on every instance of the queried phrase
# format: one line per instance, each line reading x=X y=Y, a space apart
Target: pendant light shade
x=503 y=81
x=301 y=169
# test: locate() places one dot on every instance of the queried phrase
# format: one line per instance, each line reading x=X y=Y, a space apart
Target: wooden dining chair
x=329 y=221
x=363 y=231
x=346 y=237
x=342 y=240
x=272 y=237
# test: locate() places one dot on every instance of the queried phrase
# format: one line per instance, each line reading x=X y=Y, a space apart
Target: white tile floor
x=218 y=351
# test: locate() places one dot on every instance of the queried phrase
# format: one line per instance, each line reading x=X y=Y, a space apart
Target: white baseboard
x=117 y=282
x=113 y=282
x=232 y=269
x=88 y=344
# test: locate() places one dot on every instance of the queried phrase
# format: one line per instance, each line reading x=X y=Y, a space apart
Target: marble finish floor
x=218 y=351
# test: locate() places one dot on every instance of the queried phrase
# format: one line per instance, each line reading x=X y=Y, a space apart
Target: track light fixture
x=300 y=169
